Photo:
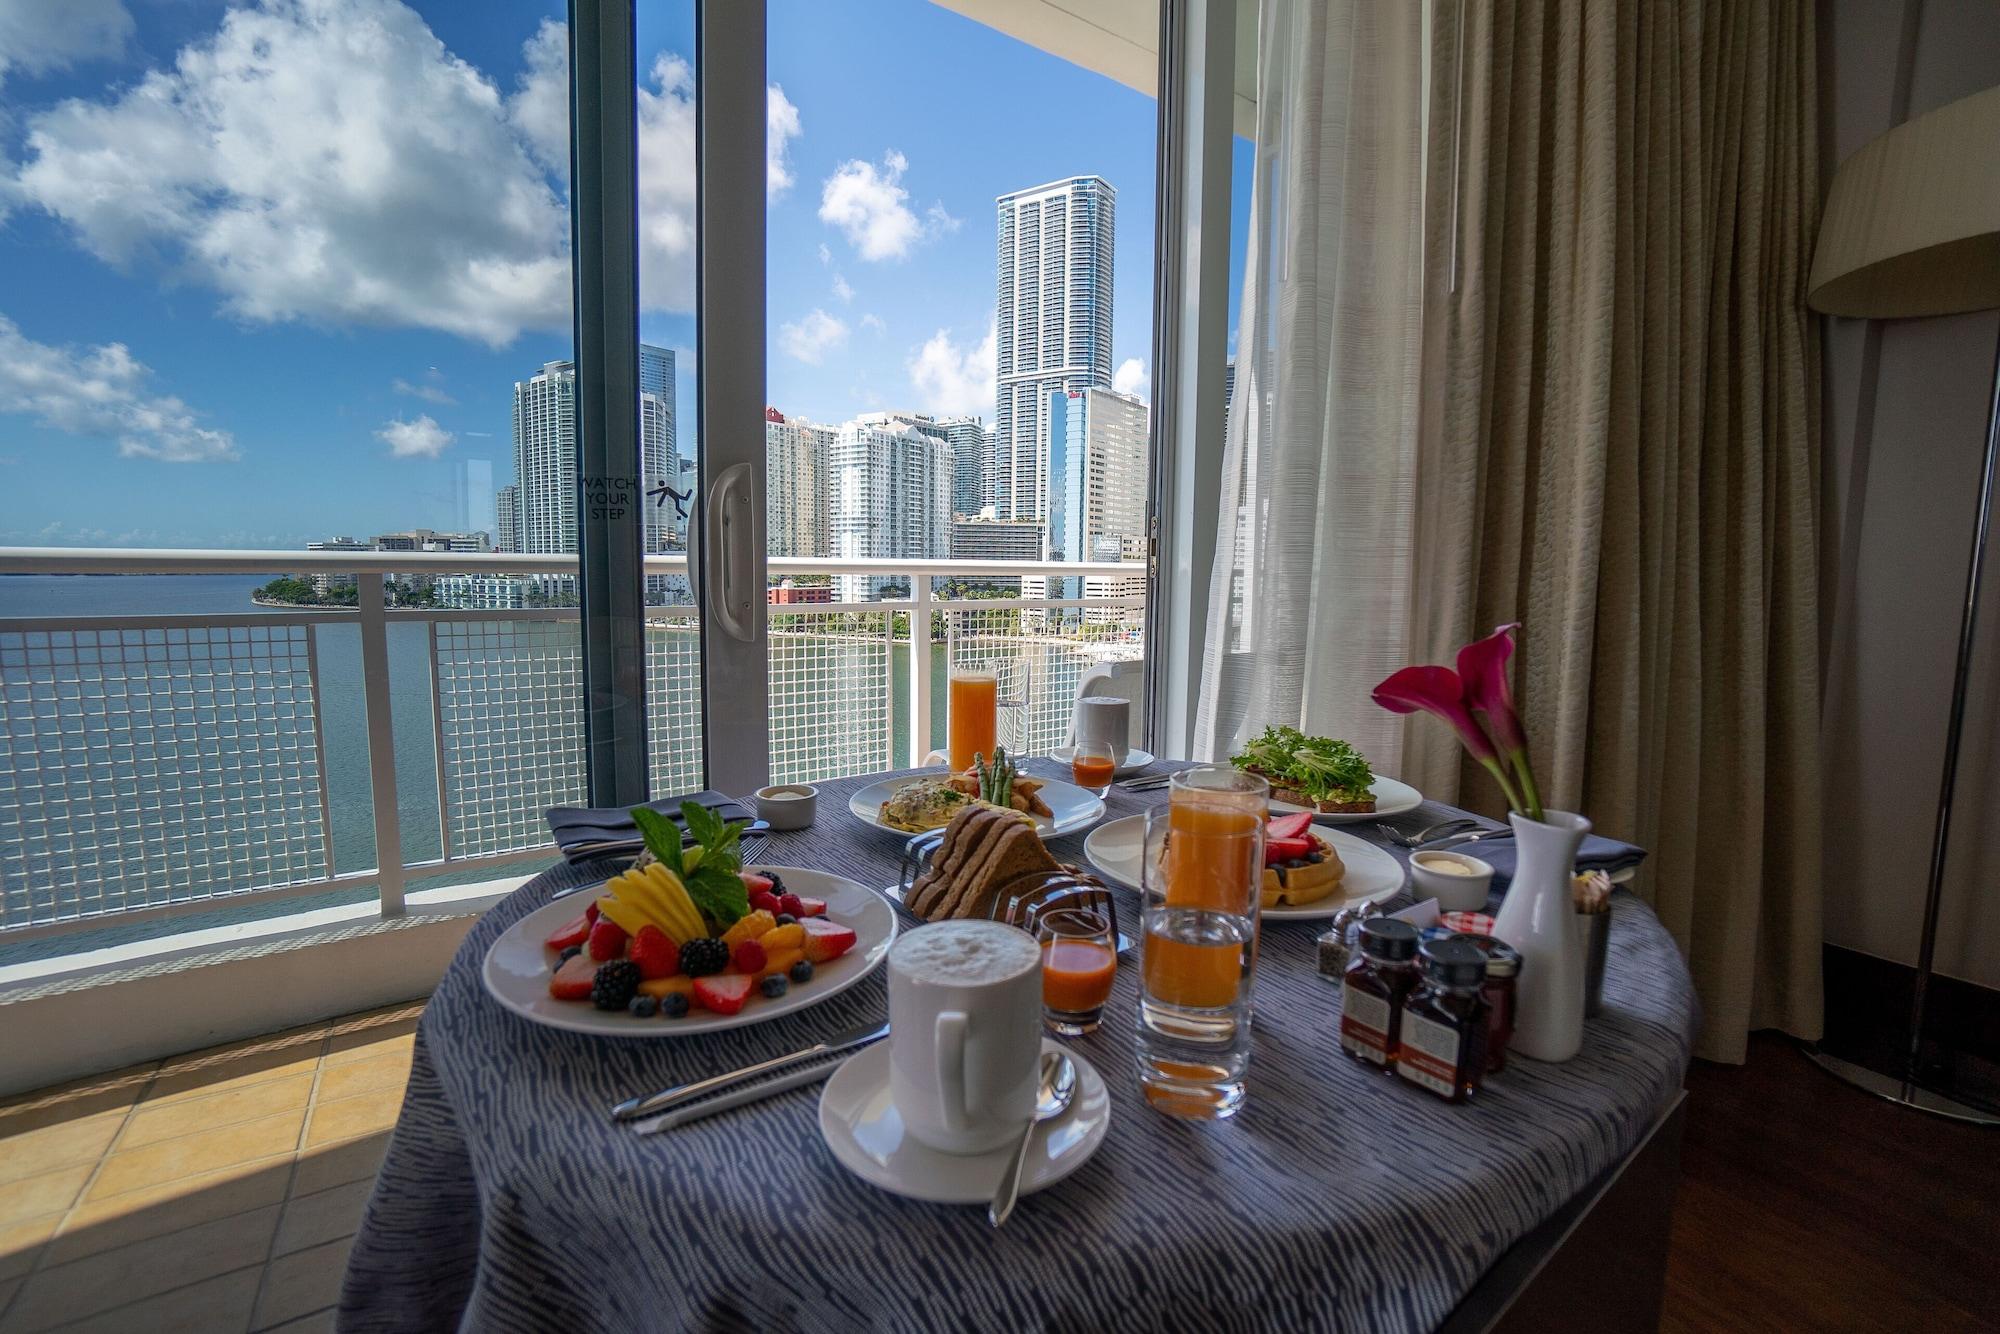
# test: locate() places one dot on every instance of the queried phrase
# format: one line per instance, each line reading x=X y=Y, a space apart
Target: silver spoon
x=1417 y=840
x=1052 y=1099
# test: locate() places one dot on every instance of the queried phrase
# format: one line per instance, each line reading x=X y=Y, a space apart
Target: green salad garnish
x=1320 y=766
x=709 y=868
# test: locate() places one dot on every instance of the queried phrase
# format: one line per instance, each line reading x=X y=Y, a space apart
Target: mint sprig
x=713 y=882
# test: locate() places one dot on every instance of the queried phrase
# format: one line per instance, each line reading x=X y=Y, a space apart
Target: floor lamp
x=1912 y=228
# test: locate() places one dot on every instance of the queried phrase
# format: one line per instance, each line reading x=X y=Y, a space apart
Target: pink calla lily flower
x=1478 y=689
x=1482 y=668
x=1437 y=690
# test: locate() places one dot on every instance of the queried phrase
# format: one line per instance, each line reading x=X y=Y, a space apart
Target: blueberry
x=569 y=954
x=775 y=985
x=786 y=919
x=802 y=971
x=1315 y=856
x=675 y=1006
x=644 y=1006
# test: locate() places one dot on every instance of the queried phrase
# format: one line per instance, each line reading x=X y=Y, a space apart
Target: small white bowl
x=787 y=805
x=1455 y=890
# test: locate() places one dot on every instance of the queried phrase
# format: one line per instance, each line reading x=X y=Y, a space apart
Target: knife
x=667 y=1099
x=811 y=1072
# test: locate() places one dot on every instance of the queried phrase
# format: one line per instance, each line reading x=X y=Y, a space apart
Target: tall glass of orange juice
x=1201 y=865
x=972 y=717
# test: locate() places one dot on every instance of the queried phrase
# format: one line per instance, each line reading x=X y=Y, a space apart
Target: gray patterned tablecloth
x=1337 y=1199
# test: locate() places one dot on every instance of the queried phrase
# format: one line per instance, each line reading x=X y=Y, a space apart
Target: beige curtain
x=1619 y=448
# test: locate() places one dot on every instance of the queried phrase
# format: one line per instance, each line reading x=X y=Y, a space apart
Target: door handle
x=732 y=518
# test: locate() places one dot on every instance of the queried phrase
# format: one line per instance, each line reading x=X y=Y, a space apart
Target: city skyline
x=302 y=411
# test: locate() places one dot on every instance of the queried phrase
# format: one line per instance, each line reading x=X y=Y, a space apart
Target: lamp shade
x=1912 y=224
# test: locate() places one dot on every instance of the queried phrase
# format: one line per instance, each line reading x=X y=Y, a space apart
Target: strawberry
x=590 y=912
x=656 y=953
x=749 y=957
x=792 y=904
x=607 y=940
x=765 y=901
x=811 y=908
x=1289 y=826
x=1286 y=849
x=755 y=884
x=573 y=980
x=723 y=993
x=825 y=939
x=573 y=932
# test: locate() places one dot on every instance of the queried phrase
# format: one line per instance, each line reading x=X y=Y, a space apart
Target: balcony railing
x=160 y=765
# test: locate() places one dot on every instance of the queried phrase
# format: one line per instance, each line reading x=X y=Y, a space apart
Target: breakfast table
x=1335 y=1199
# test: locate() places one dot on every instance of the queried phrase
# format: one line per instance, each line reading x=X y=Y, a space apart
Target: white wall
x=1907 y=532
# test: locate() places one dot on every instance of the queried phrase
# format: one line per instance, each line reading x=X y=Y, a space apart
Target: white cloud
x=873 y=321
x=428 y=391
x=810 y=339
x=400 y=188
x=825 y=255
x=1131 y=377
x=953 y=381
x=102 y=391
x=37 y=36
x=841 y=289
x=419 y=439
x=781 y=126
x=872 y=209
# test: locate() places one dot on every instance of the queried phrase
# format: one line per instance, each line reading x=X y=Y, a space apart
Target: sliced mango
x=780 y=961
x=626 y=915
x=677 y=920
x=789 y=937
x=662 y=987
x=751 y=926
x=668 y=886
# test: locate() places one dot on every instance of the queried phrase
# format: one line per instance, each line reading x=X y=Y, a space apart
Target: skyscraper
x=545 y=450
x=795 y=484
x=507 y=518
x=889 y=485
x=1097 y=468
x=971 y=464
x=1053 y=324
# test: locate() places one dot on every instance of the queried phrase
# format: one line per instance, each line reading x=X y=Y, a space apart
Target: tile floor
x=212 y=1191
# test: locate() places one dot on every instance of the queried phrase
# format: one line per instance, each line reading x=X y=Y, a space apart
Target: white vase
x=1538 y=918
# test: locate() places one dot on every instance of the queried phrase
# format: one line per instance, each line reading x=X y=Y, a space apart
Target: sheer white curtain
x=1309 y=605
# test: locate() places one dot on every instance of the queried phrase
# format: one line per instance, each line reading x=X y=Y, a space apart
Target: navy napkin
x=1595 y=854
x=582 y=831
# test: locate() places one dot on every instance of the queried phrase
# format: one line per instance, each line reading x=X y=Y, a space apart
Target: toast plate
x=861 y=1125
x=1372 y=874
x=1391 y=798
x=1075 y=809
x=518 y=965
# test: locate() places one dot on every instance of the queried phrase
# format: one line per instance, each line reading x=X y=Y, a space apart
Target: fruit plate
x=517 y=966
x=1372 y=874
x=1391 y=798
x=1075 y=809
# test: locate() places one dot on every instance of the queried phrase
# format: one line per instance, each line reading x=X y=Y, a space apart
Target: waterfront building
x=971 y=464
x=788 y=594
x=889 y=486
x=983 y=537
x=545 y=450
x=507 y=518
x=326 y=583
x=1097 y=461
x=426 y=539
x=1053 y=325
x=795 y=484
x=481 y=592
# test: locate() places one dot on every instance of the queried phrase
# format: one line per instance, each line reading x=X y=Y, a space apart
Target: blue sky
x=220 y=327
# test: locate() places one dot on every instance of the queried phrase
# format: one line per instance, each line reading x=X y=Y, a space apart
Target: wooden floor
x=1809 y=1205
x=219 y=1191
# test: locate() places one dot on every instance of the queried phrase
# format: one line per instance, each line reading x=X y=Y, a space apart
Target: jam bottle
x=1371 y=992
x=1503 y=973
x=1442 y=1042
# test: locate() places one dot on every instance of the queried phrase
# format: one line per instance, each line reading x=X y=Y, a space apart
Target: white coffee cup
x=965 y=1033
x=1105 y=718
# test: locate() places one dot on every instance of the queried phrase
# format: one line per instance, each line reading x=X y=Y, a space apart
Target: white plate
x=1135 y=759
x=1391 y=798
x=865 y=1132
x=1372 y=874
x=518 y=965
x=1075 y=809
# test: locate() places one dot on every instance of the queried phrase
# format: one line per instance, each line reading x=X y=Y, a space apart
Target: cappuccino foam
x=964 y=954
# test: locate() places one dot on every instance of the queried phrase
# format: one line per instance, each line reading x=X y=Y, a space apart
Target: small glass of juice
x=1092 y=764
x=1079 y=961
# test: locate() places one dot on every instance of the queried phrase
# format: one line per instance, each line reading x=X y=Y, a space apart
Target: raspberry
x=655 y=953
x=792 y=904
x=749 y=957
x=607 y=940
x=764 y=901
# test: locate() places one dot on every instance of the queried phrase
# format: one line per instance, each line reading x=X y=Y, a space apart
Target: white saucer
x=861 y=1126
x=1135 y=759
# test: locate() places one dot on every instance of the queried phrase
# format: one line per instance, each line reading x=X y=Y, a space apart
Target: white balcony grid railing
x=160 y=765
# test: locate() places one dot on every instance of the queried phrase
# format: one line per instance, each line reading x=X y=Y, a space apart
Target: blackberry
x=674 y=1005
x=802 y=971
x=614 y=984
x=786 y=919
x=644 y=1007
x=777 y=881
x=775 y=985
x=701 y=957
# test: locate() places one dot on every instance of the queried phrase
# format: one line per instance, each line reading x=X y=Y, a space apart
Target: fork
x=1422 y=836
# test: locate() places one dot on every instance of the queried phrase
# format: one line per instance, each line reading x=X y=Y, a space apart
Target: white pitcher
x=1538 y=918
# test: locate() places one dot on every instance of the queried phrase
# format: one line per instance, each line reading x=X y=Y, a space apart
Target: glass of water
x=1201 y=867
